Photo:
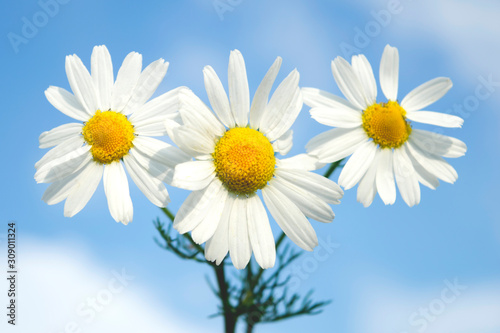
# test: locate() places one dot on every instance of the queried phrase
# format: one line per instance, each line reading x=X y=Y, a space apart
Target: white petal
x=426 y=94
x=182 y=137
x=126 y=80
x=196 y=114
x=63 y=166
x=146 y=85
x=284 y=143
x=318 y=98
x=83 y=189
x=318 y=185
x=335 y=144
x=283 y=108
x=348 y=82
x=364 y=71
x=432 y=163
x=356 y=166
x=162 y=106
x=385 y=177
x=59 y=190
x=438 y=144
x=153 y=127
x=172 y=126
x=260 y=233
x=151 y=187
x=101 y=69
x=240 y=249
x=192 y=141
x=217 y=96
x=210 y=221
x=194 y=175
x=195 y=207
x=290 y=219
x=117 y=192
x=261 y=96
x=301 y=161
x=308 y=203
x=81 y=83
x=160 y=151
x=288 y=117
x=435 y=118
x=154 y=167
x=67 y=103
x=423 y=176
x=217 y=247
x=389 y=72
x=367 y=187
x=345 y=118
x=154 y=124
x=406 y=177
x=59 y=134
x=239 y=94
x=61 y=149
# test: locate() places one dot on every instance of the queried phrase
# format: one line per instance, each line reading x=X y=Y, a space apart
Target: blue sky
x=389 y=262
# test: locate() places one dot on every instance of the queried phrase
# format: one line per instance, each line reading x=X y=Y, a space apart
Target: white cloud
x=390 y=307
x=468 y=29
x=62 y=290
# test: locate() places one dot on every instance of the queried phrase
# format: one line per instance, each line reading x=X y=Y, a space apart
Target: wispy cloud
x=450 y=305
x=62 y=289
x=469 y=30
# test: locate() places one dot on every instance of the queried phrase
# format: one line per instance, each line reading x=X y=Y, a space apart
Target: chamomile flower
x=114 y=129
x=385 y=147
x=234 y=158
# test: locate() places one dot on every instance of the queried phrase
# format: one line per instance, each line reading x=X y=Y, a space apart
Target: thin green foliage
x=254 y=295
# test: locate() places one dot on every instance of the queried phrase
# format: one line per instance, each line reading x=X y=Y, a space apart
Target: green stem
x=229 y=317
x=250 y=325
x=252 y=280
x=167 y=212
x=197 y=246
x=331 y=169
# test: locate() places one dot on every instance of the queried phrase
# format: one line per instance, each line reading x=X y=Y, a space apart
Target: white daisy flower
x=114 y=126
x=235 y=157
x=385 y=148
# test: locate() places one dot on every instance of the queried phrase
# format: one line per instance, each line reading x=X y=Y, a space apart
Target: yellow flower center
x=244 y=160
x=386 y=124
x=110 y=134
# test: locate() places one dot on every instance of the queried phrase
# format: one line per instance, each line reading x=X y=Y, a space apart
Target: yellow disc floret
x=386 y=124
x=244 y=160
x=110 y=135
